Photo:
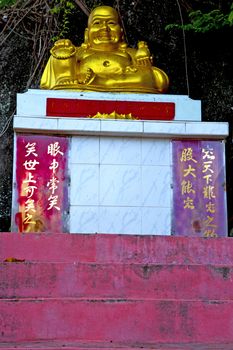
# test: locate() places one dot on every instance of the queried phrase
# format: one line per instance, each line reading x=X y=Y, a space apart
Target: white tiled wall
x=120 y=185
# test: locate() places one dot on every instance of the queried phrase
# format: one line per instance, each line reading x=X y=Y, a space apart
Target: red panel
x=60 y=107
x=41 y=169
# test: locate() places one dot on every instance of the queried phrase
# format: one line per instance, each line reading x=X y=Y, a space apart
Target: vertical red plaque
x=42 y=183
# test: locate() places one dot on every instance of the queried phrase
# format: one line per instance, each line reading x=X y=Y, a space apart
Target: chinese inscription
x=199 y=205
x=41 y=181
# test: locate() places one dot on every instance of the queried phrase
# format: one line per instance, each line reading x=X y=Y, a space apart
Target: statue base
x=78 y=174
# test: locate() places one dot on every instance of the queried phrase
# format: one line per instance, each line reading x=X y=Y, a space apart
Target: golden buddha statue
x=103 y=62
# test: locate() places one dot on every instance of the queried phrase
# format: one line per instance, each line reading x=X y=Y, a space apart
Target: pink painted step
x=117 y=320
x=74 y=346
x=81 y=291
x=116 y=248
x=55 y=345
x=196 y=282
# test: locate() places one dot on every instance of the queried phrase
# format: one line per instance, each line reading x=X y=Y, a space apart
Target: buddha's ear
x=86 y=32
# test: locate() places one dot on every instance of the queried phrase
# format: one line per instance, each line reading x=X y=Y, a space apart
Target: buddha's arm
x=61 y=64
x=143 y=62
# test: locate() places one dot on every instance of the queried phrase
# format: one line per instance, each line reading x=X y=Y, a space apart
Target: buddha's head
x=104 y=31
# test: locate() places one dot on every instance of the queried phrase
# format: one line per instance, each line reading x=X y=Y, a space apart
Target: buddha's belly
x=104 y=64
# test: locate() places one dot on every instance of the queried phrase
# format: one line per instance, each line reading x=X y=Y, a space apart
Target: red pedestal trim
x=60 y=107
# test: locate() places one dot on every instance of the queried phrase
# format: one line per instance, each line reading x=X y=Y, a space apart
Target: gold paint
x=103 y=62
x=113 y=115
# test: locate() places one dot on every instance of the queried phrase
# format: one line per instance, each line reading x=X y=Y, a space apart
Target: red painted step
x=116 y=320
x=116 y=248
x=115 y=291
x=99 y=346
x=197 y=282
x=106 y=346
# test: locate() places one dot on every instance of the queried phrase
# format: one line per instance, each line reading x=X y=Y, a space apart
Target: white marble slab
x=84 y=188
x=156 y=186
x=120 y=185
x=84 y=219
x=26 y=124
x=156 y=221
x=78 y=125
x=33 y=102
x=85 y=150
x=126 y=128
x=156 y=152
x=120 y=220
x=120 y=150
x=209 y=129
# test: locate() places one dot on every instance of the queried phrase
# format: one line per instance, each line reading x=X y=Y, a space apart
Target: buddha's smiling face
x=104 y=30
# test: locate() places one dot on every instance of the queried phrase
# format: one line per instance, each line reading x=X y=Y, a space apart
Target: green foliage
x=63 y=9
x=204 y=22
x=6 y=3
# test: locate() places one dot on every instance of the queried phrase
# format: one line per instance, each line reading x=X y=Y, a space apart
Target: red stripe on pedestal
x=60 y=107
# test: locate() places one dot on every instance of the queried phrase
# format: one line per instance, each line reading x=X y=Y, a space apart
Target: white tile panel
x=156 y=221
x=84 y=184
x=84 y=219
x=120 y=185
x=120 y=220
x=156 y=186
x=85 y=149
x=155 y=152
x=120 y=150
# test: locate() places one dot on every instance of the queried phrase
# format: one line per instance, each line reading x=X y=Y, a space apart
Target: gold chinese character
x=208 y=178
x=187 y=187
x=208 y=192
x=28 y=219
x=54 y=165
x=30 y=191
x=29 y=179
x=31 y=149
x=52 y=184
x=30 y=164
x=53 y=202
x=209 y=221
x=54 y=149
x=30 y=205
x=207 y=167
x=189 y=171
x=187 y=154
x=208 y=153
x=210 y=233
x=210 y=208
x=188 y=203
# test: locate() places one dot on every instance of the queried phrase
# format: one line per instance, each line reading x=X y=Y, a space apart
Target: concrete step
x=151 y=281
x=126 y=321
x=116 y=248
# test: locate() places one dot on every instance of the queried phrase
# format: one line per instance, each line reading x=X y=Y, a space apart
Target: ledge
x=84 y=126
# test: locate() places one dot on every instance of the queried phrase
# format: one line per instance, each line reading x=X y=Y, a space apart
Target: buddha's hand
x=88 y=78
x=142 y=55
x=63 y=49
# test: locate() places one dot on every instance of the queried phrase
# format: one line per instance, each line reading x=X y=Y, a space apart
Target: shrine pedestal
x=82 y=175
